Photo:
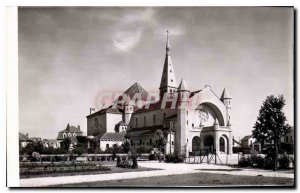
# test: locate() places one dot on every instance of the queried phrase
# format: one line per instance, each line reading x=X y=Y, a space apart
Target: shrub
x=125 y=164
x=268 y=162
x=134 y=162
x=244 y=162
x=90 y=151
x=152 y=157
x=143 y=149
x=175 y=158
x=257 y=161
x=118 y=160
x=79 y=150
x=284 y=161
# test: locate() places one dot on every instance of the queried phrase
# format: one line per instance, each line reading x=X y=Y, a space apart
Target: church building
x=189 y=120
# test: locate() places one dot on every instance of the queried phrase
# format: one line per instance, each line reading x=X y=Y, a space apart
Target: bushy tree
x=160 y=141
x=126 y=145
x=65 y=143
x=271 y=123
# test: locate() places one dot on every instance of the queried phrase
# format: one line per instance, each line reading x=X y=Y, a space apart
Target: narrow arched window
x=154 y=119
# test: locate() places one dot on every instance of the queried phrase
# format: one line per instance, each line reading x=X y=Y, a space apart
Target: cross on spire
x=168 y=44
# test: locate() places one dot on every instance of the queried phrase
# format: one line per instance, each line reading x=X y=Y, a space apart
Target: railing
x=210 y=155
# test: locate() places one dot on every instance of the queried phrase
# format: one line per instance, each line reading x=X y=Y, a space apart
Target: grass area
x=196 y=179
x=113 y=169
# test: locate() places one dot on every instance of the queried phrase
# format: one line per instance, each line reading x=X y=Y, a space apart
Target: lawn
x=196 y=179
x=108 y=167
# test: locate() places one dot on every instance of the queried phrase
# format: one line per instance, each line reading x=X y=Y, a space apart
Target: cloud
x=129 y=29
x=126 y=40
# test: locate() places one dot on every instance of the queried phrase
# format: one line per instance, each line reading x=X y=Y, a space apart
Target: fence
x=69 y=157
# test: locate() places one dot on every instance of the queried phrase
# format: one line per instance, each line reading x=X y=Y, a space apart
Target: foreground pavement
x=166 y=169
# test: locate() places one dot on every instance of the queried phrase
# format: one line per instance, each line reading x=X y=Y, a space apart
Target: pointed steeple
x=183 y=86
x=225 y=95
x=168 y=82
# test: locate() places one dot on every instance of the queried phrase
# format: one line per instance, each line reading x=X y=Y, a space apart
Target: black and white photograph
x=155 y=96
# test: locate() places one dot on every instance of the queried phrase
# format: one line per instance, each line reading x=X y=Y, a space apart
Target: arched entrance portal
x=196 y=144
x=209 y=143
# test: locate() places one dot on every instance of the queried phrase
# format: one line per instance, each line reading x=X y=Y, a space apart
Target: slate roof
x=70 y=129
x=122 y=123
x=246 y=137
x=172 y=117
x=145 y=130
x=136 y=88
x=109 y=109
x=113 y=136
x=155 y=106
x=23 y=137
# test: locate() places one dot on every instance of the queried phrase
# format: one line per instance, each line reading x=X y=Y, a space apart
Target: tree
x=160 y=141
x=271 y=123
x=65 y=143
x=126 y=145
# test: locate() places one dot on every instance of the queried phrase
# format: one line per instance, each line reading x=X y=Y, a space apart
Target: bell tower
x=226 y=99
x=168 y=84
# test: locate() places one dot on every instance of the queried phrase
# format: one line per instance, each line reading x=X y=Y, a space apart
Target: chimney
x=78 y=127
x=27 y=135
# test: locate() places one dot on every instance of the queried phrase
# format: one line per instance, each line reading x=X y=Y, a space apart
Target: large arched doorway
x=196 y=144
x=209 y=143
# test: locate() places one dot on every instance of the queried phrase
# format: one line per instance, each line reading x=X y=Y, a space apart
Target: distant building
x=24 y=140
x=54 y=143
x=70 y=132
x=36 y=139
x=289 y=137
x=247 y=141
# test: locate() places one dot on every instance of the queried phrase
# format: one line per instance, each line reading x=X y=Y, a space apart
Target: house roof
x=145 y=130
x=70 y=129
x=136 y=88
x=122 y=123
x=246 y=137
x=50 y=140
x=155 y=106
x=172 y=117
x=113 y=136
x=109 y=109
x=23 y=137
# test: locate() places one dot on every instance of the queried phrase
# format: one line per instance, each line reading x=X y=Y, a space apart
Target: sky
x=68 y=56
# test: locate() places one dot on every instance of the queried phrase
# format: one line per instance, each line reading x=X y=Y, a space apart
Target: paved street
x=167 y=169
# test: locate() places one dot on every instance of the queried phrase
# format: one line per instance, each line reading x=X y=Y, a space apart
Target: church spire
x=168 y=44
x=168 y=82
